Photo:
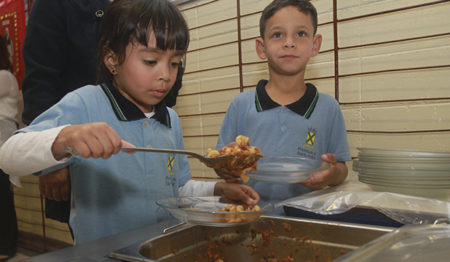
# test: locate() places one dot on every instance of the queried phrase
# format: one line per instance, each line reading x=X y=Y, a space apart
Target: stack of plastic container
x=419 y=173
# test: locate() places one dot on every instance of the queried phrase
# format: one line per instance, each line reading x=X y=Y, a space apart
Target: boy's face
x=289 y=41
x=147 y=74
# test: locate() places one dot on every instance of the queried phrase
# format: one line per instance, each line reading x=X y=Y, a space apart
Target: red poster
x=12 y=26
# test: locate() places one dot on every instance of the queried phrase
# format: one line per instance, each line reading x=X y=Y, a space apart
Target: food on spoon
x=245 y=160
x=239 y=217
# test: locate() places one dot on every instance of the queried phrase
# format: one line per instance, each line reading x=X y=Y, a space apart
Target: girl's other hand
x=237 y=193
x=228 y=175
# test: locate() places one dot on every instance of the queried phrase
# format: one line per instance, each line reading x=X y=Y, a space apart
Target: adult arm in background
x=45 y=56
x=60 y=55
x=59 y=51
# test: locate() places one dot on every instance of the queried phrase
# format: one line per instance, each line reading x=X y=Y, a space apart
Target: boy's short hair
x=128 y=21
x=303 y=6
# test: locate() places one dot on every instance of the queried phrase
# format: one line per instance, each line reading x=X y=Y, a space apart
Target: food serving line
x=344 y=223
x=303 y=239
x=136 y=245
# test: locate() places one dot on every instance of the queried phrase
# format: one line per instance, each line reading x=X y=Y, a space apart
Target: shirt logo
x=170 y=162
x=171 y=178
x=310 y=138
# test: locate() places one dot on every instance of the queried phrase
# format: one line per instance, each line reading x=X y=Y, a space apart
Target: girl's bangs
x=169 y=33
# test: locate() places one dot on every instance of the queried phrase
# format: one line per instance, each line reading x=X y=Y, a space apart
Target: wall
x=386 y=62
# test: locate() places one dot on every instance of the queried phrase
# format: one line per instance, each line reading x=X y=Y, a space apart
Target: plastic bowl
x=203 y=211
x=286 y=169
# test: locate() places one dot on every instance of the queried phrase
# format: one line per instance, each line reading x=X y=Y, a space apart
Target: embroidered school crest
x=170 y=162
x=310 y=138
x=171 y=178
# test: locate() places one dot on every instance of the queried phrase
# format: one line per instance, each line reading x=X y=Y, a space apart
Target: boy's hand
x=237 y=193
x=88 y=140
x=334 y=175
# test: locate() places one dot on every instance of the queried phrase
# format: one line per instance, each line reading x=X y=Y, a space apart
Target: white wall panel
x=219 y=56
x=205 y=103
x=400 y=25
x=398 y=117
x=352 y=8
x=420 y=141
x=420 y=53
x=415 y=84
x=210 y=13
x=214 y=34
x=211 y=80
x=202 y=125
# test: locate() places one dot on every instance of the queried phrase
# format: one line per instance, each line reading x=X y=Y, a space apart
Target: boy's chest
x=283 y=132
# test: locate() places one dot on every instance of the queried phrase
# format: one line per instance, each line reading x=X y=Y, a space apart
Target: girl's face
x=289 y=41
x=147 y=73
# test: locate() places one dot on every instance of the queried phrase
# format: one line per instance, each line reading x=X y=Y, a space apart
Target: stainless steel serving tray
x=269 y=236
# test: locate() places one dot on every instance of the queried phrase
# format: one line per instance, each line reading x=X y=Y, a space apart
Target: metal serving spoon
x=209 y=161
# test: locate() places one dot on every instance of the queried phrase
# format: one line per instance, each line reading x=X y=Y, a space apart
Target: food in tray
x=237 y=214
x=245 y=160
x=238 y=208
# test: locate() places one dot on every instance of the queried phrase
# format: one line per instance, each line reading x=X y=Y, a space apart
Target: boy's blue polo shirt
x=119 y=193
x=312 y=126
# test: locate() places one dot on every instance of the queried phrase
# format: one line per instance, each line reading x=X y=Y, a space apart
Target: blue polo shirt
x=118 y=194
x=309 y=127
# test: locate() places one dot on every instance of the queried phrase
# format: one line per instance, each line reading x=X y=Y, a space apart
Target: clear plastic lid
x=411 y=243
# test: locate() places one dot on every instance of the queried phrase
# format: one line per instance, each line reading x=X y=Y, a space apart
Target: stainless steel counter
x=99 y=250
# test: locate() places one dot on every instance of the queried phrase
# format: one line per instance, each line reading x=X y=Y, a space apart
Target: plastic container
x=411 y=243
x=203 y=211
x=286 y=169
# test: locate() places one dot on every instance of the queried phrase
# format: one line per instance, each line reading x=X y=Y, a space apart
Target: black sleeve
x=45 y=54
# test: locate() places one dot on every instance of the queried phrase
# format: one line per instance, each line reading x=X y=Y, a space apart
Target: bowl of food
x=211 y=211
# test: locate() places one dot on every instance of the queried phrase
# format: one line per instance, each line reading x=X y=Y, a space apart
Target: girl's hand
x=237 y=193
x=228 y=175
x=334 y=175
x=56 y=185
x=88 y=140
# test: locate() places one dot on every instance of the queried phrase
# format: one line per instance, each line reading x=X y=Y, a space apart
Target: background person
x=9 y=96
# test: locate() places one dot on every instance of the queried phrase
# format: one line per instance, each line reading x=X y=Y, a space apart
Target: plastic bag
x=402 y=208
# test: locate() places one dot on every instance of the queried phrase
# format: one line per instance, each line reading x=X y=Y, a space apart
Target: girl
x=142 y=43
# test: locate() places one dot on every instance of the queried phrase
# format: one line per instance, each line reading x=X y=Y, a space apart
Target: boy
x=284 y=116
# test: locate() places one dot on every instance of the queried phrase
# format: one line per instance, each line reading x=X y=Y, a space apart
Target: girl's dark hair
x=127 y=21
x=5 y=63
x=303 y=6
